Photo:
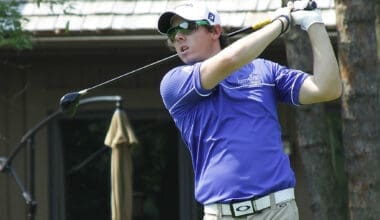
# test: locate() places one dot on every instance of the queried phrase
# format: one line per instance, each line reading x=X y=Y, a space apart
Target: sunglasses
x=186 y=27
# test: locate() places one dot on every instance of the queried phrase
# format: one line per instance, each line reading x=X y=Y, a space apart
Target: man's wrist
x=313 y=20
x=285 y=23
x=306 y=18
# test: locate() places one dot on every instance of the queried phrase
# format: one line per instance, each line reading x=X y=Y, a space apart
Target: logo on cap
x=211 y=17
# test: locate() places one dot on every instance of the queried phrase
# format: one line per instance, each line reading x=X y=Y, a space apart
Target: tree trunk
x=311 y=139
x=360 y=107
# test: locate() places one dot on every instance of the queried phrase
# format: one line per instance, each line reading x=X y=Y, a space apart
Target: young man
x=223 y=102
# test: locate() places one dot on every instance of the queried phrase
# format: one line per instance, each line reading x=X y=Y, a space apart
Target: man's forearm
x=326 y=74
x=238 y=54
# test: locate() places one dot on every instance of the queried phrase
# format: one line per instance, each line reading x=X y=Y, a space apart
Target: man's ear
x=217 y=31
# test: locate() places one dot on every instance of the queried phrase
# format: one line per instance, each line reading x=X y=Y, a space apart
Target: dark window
x=155 y=166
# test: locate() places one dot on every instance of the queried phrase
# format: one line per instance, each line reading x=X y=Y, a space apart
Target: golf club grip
x=298 y=5
x=261 y=24
x=254 y=27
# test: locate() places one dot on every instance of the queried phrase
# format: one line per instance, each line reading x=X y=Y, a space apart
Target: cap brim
x=164 y=22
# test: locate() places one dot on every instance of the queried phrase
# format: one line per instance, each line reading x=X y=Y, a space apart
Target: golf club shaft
x=146 y=67
x=255 y=27
x=308 y=5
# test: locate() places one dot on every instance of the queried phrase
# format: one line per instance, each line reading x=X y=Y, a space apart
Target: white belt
x=249 y=207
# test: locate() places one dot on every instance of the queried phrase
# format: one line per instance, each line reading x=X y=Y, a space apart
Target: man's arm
x=241 y=52
x=325 y=83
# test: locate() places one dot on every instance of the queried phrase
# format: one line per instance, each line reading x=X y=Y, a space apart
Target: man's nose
x=180 y=36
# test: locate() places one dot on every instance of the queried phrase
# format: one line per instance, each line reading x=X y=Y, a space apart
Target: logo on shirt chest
x=253 y=80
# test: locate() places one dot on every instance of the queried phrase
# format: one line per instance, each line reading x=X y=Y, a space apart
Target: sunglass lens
x=184 y=28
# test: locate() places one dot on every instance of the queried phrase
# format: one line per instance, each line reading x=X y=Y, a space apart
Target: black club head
x=69 y=103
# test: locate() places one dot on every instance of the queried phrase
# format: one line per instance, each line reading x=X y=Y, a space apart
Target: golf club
x=69 y=102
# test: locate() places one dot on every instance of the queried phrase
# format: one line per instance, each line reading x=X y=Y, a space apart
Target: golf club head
x=69 y=103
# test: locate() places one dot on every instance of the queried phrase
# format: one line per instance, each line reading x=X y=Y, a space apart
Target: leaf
x=12 y=34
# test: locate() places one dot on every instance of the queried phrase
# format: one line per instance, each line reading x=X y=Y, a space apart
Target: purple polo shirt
x=232 y=131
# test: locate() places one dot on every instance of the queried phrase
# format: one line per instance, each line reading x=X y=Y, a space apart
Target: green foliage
x=11 y=33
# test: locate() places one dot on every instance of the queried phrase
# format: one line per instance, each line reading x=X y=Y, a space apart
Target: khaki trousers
x=283 y=211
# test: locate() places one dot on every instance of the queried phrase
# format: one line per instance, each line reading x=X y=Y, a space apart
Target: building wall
x=34 y=81
x=11 y=127
x=32 y=85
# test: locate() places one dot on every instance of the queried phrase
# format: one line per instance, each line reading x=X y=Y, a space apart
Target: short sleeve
x=197 y=82
x=288 y=83
x=180 y=88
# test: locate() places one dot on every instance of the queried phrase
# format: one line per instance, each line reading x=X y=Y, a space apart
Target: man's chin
x=188 y=60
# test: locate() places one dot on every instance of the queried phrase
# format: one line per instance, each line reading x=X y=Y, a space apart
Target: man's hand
x=285 y=11
x=305 y=18
x=283 y=14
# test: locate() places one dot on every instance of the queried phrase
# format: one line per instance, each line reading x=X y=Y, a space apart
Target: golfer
x=223 y=101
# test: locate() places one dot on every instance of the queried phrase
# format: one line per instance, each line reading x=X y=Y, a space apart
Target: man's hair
x=224 y=41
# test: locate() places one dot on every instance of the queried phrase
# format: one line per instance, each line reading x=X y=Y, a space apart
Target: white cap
x=191 y=11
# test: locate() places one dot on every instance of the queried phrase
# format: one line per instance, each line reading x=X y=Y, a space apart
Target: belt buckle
x=244 y=208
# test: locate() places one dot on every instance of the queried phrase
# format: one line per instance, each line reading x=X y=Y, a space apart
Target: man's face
x=193 y=45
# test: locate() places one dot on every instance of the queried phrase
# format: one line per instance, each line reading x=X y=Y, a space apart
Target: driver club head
x=69 y=103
